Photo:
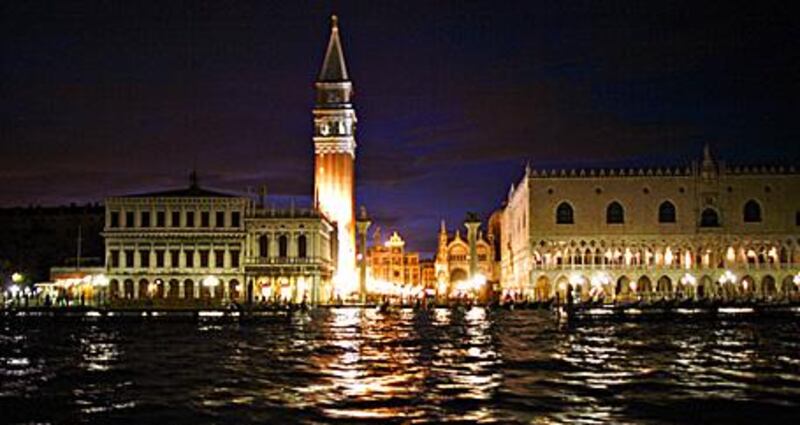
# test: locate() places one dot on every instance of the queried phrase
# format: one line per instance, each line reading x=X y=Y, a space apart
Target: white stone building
x=702 y=230
x=200 y=244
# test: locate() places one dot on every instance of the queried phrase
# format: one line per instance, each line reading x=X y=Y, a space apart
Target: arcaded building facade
x=453 y=258
x=196 y=243
x=701 y=230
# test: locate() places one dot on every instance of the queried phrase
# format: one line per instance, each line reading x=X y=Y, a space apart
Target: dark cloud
x=100 y=98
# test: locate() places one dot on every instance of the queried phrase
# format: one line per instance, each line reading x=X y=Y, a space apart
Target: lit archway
x=542 y=289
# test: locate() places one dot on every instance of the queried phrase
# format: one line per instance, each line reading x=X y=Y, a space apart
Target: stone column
x=362 y=225
x=315 y=288
x=472 y=223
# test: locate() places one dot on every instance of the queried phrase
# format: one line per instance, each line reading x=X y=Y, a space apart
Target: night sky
x=453 y=97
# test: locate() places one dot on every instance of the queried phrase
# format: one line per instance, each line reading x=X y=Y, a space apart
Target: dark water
x=351 y=366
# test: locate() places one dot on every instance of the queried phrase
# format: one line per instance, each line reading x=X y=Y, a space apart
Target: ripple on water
x=347 y=365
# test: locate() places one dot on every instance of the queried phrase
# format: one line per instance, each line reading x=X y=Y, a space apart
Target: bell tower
x=335 y=153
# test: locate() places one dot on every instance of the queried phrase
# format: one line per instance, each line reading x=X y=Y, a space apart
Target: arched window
x=301 y=246
x=666 y=212
x=283 y=246
x=564 y=214
x=615 y=214
x=263 y=246
x=752 y=212
x=797 y=218
x=709 y=218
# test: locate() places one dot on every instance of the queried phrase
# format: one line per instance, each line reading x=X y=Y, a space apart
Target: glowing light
x=727 y=277
x=17 y=277
x=598 y=281
x=731 y=255
x=469 y=286
x=100 y=280
x=796 y=279
x=286 y=292
x=774 y=254
x=688 y=279
x=668 y=257
x=211 y=281
x=14 y=289
x=576 y=280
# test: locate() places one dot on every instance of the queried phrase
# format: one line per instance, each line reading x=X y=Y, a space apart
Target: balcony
x=284 y=261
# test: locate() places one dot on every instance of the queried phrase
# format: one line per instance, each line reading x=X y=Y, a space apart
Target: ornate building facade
x=167 y=244
x=200 y=244
x=453 y=258
x=390 y=262
x=703 y=230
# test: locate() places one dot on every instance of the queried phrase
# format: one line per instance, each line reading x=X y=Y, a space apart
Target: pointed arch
x=751 y=212
x=565 y=214
x=615 y=213
x=666 y=212
x=709 y=218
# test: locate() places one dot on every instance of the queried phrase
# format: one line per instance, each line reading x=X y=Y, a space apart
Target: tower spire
x=333 y=67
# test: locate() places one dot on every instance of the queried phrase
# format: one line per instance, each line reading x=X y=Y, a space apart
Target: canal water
x=351 y=365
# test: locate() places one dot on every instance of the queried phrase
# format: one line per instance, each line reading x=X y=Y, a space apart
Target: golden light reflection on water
x=382 y=360
x=347 y=365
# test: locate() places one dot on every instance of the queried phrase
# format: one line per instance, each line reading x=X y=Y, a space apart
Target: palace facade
x=702 y=230
x=390 y=262
x=196 y=243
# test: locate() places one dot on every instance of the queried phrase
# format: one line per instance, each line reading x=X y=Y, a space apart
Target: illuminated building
x=697 y=231
x=196 y=243
x=335 y=151
x=453 y=259
x=390 y=262
x=164 y=244
x=290 y=254
x=427 y=269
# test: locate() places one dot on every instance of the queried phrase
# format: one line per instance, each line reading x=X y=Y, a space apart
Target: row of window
x=667 y=213
x=283 y=246
x=190 y=219
x=116 y=257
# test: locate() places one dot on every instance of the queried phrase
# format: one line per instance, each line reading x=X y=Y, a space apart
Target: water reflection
x=355 y=365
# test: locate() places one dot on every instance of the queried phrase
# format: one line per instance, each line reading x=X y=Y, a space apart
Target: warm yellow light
x=668 y=257
x=100 y=280
x=17 y=277
x=727 y=277
x=211 y=281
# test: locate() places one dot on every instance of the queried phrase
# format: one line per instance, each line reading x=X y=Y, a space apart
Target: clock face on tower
x=333 y=97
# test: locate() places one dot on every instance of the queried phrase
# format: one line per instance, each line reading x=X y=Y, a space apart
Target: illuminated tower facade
x=335 y=153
